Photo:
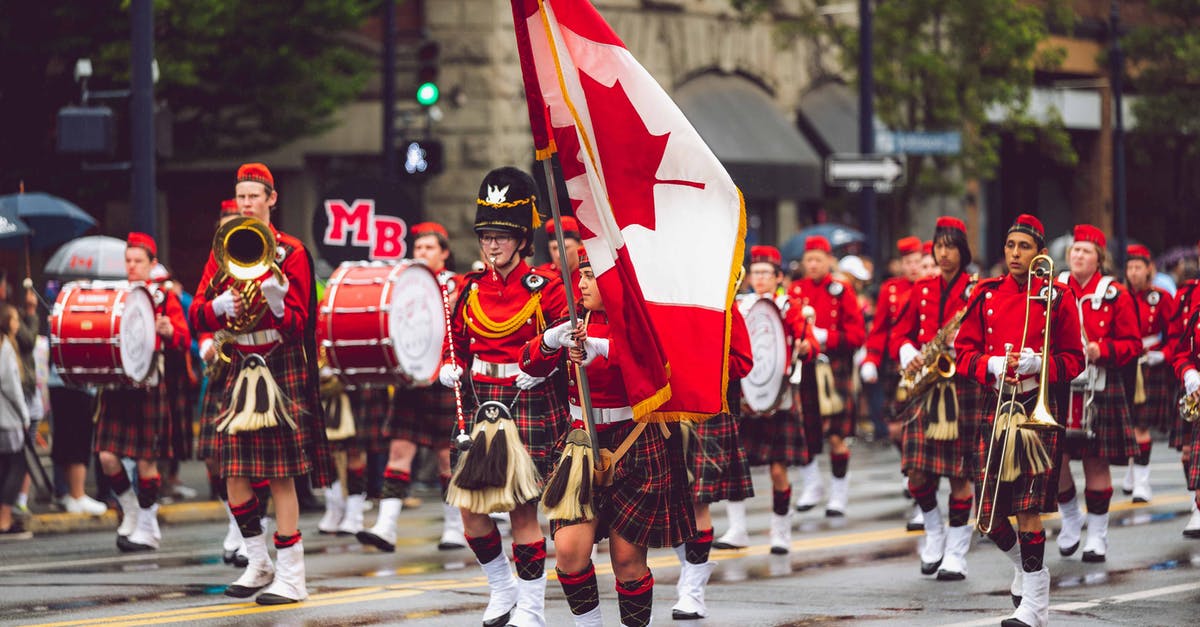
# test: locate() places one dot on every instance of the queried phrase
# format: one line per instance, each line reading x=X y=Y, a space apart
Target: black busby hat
x=508 y=202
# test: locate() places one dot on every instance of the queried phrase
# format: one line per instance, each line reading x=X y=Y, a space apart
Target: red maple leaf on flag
x=629 y=154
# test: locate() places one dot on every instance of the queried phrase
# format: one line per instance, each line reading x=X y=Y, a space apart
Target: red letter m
x=343 y=218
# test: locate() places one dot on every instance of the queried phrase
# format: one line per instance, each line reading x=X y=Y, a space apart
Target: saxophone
x=935 y=355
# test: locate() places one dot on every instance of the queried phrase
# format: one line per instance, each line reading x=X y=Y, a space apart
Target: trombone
x=1011 y=421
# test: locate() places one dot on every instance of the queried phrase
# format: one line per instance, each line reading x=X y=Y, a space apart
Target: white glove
x=592 y=347
x=797 y=374
x=325 y=372
x=996 y=366
x=908 y=353
x=274 y=292
x=223 y=305
x=204 y=346
x=860 y=356
x=1191 y=382
x=1154 y=358
x=868 y=372
x=559 y=336
x=822 y=335
x=449 y=374
x=1029 y=362
x=528 y=381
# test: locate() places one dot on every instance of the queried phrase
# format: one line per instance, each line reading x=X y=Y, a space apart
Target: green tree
x=237 y=76
x=945 y=65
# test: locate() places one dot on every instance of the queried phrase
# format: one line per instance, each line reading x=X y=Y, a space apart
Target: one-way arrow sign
x=883 y=172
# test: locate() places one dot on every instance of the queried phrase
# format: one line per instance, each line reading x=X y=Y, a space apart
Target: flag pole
x=585 y=395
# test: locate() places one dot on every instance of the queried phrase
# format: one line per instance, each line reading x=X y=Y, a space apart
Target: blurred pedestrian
x=14 y=422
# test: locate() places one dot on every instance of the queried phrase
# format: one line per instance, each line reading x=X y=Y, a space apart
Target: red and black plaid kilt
x=210 y=406
x=779 y=437
x=372 y=408
x=425 y=416
x=841 y=424
x=1030 y=492
x=183 y=400
x=278 y=451
x=720 y=470
x=649 y=503
x=945 y=458
x=889 y=376
x=542 y=418
x=1193 y=479
x=1161 y=408
x=1114 y=439
x=135 y=423
x=1181 y=435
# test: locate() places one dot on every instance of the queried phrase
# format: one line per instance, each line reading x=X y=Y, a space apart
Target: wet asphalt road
x=861 y=569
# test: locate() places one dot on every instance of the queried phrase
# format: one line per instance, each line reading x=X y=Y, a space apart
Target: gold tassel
x=476 y=488
x=1033 y=452
x=1139 y=386
x=343 y=427
x=257 y=401
x=568 y=494
x=946 y=426
x=829 y=402
x=1007 y=418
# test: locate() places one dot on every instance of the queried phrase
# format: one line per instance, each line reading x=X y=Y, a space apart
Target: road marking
x=408 y=589
x=1113 y=600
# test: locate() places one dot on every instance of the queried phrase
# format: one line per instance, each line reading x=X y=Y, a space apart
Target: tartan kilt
x=944 y=458
x=183 y=400
x=649 y=503
x=1030 y=492
x=717 y=462
x=779 y=437
x=1181 y=435
x=1114 y=438
x=372 y=408
x=842 y=424
x=425 y=416
x=210 y=406
x=278 y=451
x=1193 y=476
x=542 y=419
x=1161 y=408
x=135 y=422
x=889 y=376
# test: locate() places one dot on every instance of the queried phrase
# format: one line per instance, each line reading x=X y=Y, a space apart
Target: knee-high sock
x=1003 y=534
x=840 y=463
x=580 y=588
x=1033 y=550
x=696 y=550
x=960 y=511
x=1097 y=500
x=148 y=491
x=249 y=520
x=486 y=548
x=635 y=599
x=395 y=483
x=530 y=559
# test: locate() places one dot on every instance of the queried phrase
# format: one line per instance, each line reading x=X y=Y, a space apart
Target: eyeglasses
x=496 y=239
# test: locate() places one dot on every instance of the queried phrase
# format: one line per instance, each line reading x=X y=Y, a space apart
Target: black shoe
x=228 y=556
x=1013 y=622
x=678 y=615
x=912 y=526
x=734 y=547
x=1016 y=600
x=370 y=539
x=1138 y=499
x=499 y=621
x=15 y=532
x=241 y=592
x=929 y=568
x=805 y=508
x=833 y=513
x=126 y=546
x=947 y=575
x=1191 y=533
x=271 y=598
x=1069 y=551
x=450 y=546
x=1092 y=557
x=778 y=550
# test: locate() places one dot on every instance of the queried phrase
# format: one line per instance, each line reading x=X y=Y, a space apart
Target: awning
x=829 y=118
x=762 y=150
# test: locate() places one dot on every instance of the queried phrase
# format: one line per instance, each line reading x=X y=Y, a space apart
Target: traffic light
x=427 y=73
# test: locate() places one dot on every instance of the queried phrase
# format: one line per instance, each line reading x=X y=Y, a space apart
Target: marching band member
x=981 y=354
x=370 y=409
x=938 y=430
x=647 y=504
x=572 y=241
x=929 y=265
x=1155 y=408
x=498 y=311
x=422 y=417
x=1097 y=417
x=136 y=422
x=280 y=353
x=720 y=472
x=777 y=440
x=1184 y=354
x=839 y=331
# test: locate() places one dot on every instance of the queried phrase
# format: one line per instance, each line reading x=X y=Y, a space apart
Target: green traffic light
x=427 y=94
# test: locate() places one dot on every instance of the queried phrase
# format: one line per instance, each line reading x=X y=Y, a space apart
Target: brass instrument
x=1189 y=407
x=1011 y=421
x=244 y=249
x=937 y=364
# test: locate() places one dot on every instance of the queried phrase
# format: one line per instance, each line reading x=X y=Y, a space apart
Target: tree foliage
x=238 y=76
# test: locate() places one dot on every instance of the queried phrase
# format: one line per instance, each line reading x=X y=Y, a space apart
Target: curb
x=172 y=514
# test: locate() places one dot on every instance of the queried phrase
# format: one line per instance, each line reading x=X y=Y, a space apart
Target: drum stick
x=462 y=440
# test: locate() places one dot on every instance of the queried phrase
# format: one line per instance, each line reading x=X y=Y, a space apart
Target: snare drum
x=382 y=323
x=764 y=387
x=102 y=334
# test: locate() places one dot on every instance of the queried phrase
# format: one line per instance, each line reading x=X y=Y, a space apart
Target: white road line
x=1113 y=600
x=113 y=559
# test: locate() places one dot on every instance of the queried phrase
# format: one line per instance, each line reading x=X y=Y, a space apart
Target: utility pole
x=866 y=124
x=1118 y=70
x=389 y=90
x=141 y=110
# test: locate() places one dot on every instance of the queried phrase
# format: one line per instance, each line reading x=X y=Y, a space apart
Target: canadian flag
x=661 y=219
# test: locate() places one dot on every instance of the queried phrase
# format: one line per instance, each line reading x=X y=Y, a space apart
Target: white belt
x=1151 y=340
x=258 y=338
x=1092 y=378
x=1023 y=386
x=495 y=371
x=605 y=416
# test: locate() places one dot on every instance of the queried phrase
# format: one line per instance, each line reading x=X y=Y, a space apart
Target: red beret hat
x=229 y=208
x=142 y=240
x=570 y=227
x=927 y=248
x=766 y=254
x=256 y=172
x=1089 y=233
x=908 y=245
x=948 y=222
x=1030 y=226
x=816 y=242
x=425 y=228
x=584 y=262
x=1137 y=251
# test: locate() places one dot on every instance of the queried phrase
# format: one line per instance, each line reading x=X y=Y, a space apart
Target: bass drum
x=383 y=323
x=102 y=334
x=765 y=387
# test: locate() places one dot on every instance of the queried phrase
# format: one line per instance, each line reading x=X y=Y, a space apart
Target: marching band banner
x=364 y=219
x=662 y=221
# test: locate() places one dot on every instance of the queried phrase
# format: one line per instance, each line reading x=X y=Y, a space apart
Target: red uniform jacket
x=893 y=295
x=550 y=268
x=296 y=270
x=741 y=359
x=931 y=305
x=1185 y=325
x=500 y=300
x=836 y=309
x=999 y=318
x=1155 y=309
x=1109 y=320
x=167 y=304
x=604 y=376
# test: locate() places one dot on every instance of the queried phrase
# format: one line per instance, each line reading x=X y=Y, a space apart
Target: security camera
x=83 y=69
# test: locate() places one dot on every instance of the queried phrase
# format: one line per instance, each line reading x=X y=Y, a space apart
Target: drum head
x=763 y=387
x=137 y=334
x=417 y=322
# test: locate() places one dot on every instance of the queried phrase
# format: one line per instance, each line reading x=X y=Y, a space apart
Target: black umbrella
x=52 y=219
x=13 y=229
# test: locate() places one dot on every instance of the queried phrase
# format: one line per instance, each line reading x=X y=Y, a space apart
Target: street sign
x=919 y=142
x=883 y=172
